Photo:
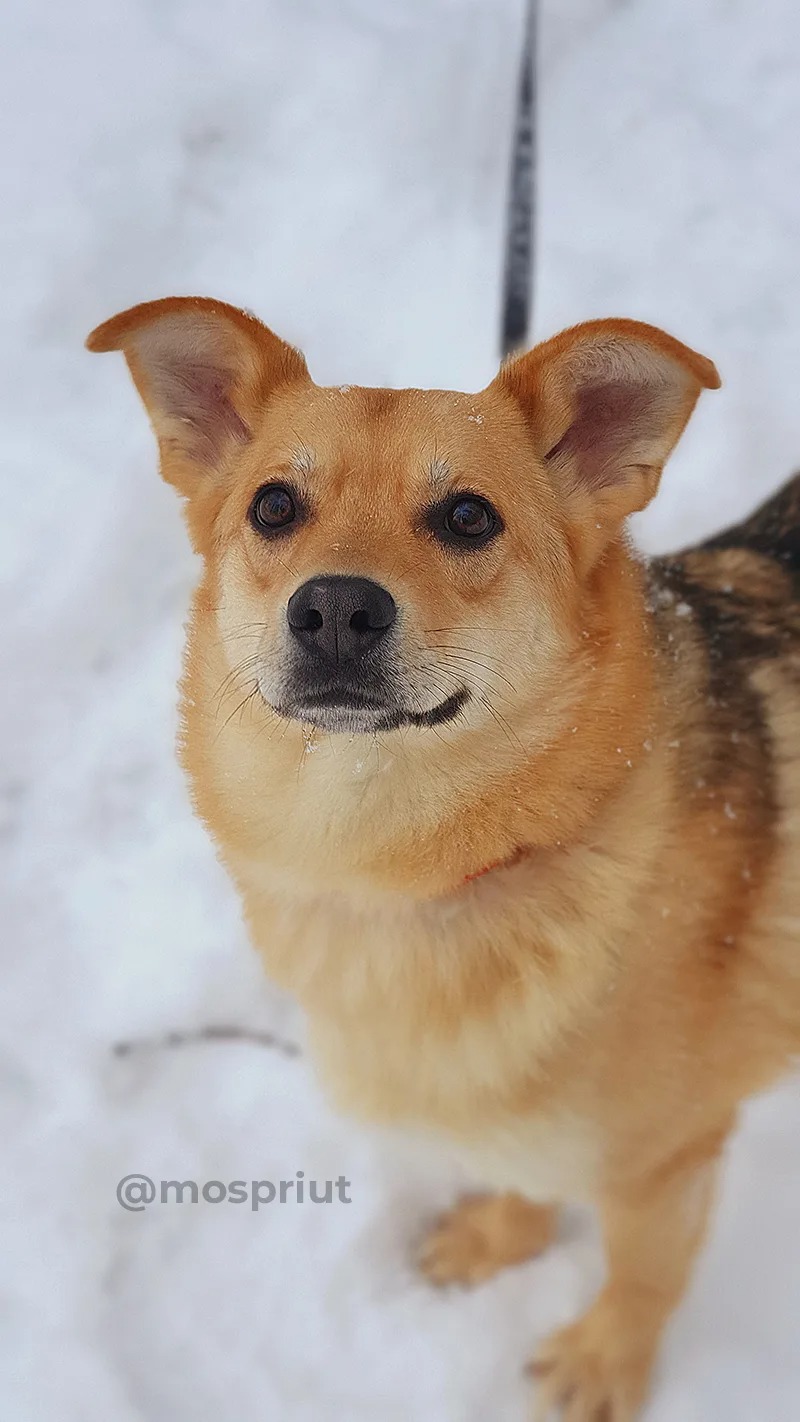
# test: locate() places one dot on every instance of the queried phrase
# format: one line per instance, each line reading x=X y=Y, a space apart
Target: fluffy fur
x=582 y=1020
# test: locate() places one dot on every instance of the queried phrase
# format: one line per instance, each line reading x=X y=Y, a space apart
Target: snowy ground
x=340 y=168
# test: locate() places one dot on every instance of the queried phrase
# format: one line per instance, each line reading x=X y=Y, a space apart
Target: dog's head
x=404 y=558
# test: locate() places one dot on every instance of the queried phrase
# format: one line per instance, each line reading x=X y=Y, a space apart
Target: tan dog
x=515 y=816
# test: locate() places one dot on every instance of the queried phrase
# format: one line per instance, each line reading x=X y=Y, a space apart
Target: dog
x=514 y=813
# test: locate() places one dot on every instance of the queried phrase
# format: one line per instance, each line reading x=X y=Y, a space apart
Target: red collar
x=506 y=863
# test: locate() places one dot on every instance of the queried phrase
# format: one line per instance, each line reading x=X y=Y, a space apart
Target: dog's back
x=744 y=584
x=773 y=531
x=730 y=628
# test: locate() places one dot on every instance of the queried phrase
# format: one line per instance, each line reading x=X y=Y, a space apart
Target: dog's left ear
x=606 y=403
x=204 y=371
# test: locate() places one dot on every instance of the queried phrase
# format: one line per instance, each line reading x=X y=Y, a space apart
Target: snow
x=340 y=168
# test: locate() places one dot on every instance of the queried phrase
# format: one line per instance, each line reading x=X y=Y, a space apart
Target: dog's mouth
x=347 y=711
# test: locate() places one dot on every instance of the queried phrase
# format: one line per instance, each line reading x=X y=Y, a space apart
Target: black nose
x=340 y=618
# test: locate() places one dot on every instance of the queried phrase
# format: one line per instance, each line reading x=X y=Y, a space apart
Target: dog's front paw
x=598 y=1369
x=482 y=1235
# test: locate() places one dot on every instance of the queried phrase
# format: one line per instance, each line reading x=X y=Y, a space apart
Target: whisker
x=459 y=658
x=230 y=680
x=479 y=651
x=468 y=631
x=483 y=695
x=512 y=736
x=253 y=692
x=245 y=630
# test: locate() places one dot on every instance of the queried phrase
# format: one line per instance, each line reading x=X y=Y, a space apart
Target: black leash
x=518 y=274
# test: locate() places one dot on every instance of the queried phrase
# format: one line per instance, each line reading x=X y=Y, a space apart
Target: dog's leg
x=484 y=1234
x=598 y=1369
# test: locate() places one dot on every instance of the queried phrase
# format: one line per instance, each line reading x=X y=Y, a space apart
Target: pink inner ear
x=609 y=423
x=198 y=396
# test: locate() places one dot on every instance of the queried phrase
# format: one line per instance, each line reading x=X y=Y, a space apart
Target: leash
x=519 y=245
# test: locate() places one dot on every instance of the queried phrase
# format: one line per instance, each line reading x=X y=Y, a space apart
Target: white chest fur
x=549 y=1158
x=441 y=1018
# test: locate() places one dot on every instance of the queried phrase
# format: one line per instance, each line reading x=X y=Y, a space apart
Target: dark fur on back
x=742 y=587
x=728 y=611
x=773 y=530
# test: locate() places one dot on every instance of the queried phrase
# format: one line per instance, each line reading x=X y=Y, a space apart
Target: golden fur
x=582 y=1021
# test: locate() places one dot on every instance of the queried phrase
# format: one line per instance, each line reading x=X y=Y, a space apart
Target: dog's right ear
x=204 y=371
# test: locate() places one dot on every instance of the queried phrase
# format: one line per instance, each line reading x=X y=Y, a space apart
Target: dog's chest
x=550 y=1156
x=464 y=1094
x=418 y=1023
x=549 y=1152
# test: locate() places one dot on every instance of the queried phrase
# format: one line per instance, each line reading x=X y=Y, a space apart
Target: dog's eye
x=469 y=518
x=465 y=519
x=272 y=508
